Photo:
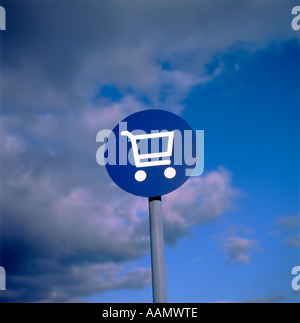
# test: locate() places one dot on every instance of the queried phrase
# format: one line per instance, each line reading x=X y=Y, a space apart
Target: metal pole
x=157 y=251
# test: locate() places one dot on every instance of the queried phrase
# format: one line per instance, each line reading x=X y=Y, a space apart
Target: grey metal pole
x=157 y=251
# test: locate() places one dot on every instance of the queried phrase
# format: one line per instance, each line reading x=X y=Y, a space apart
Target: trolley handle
x=128 y=134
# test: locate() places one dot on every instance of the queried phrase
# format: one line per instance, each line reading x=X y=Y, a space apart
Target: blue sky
x=72 y=68
x=254 y=129
x=256 y=136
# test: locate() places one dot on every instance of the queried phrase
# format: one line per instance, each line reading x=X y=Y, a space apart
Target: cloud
x=238 y=249
x=63 y=218
x=293 y=241
x=200 y=200
x=275 y=299
x=61 y=283
x=288 y=223
x=57 y=54
x=59 y=212
x=289 y=227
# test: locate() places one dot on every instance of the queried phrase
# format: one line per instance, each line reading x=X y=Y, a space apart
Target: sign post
x=147 y=150
x=157 y=250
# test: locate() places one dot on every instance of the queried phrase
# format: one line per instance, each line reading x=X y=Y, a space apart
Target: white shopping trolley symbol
x=141 y=160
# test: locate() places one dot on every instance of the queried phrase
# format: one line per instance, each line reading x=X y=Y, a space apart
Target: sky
x=72 y=68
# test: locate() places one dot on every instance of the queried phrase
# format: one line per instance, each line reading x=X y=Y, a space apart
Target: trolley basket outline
x=141 y=160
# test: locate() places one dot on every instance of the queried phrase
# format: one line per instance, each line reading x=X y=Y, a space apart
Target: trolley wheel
x=170 y=172
x=140 y=175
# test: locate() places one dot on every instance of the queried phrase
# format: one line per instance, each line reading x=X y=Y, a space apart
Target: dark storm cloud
x=56 y=220
x=57 y=53
x=61 y=283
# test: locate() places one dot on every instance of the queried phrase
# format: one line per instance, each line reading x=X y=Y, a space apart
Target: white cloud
x=238 y=249
x=289 y=226
x=200 y=200
x=288 y=222
x=293 y=241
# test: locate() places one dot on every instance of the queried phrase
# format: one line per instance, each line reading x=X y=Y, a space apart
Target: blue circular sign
x=154 y=153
